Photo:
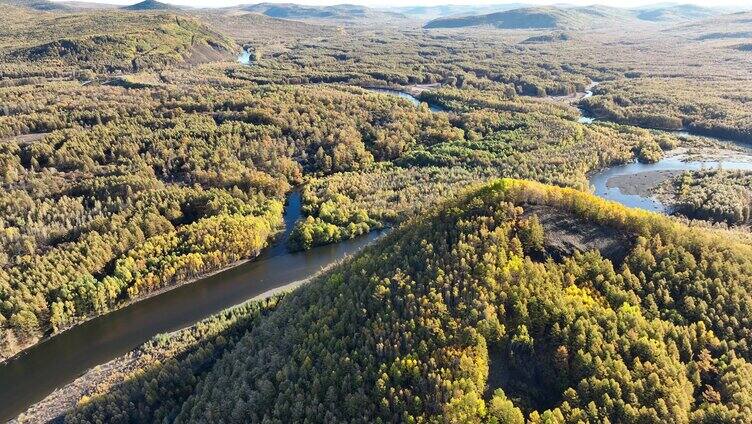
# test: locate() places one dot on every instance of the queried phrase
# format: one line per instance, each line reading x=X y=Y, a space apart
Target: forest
x=714 y=195
x=138 y=153
x=462 y=315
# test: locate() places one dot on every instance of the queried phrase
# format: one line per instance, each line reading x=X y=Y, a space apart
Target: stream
x=244 y=57
x=602 y=188
x=650 y=171
x=32 y=375
x=414 y=100
x=36 y=372
x=600 y=180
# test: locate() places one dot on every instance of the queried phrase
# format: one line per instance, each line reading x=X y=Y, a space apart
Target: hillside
x=445 y=10
x=677 y=13
x=575 y=17
x=41 y=5
x=733 y=27
x=337 y=13
x=151 y=5
x=265 y=30
x=537 y=17
x=480 y=311
x=111 y=41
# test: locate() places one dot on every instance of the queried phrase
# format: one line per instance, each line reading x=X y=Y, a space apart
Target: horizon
x=213 y=4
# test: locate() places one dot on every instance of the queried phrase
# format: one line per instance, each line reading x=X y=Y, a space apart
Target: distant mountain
x=248 y=26
x=342 y=12
x=44 y=5
x=727 y=29
x=151 y=5
x=565 y=17
x=537 y=17
x=85 y=5
x=447 y=10
x=112 y=41
x=676 y=13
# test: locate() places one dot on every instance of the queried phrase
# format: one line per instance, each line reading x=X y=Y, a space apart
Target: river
x=602 y=188
x=29 y=377
x=600 y=180
x=414 y=100
x=244 y=57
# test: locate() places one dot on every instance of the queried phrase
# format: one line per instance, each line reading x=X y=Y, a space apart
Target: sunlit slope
x=538 y=17
x=485 y=310
x=110 y=40
x=564 y=17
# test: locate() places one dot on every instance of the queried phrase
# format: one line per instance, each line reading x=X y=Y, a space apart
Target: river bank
x=31 y=342
x=44 y=367
x=63 y=399
x=411 y=94
x=634 y=184
x=278 y=238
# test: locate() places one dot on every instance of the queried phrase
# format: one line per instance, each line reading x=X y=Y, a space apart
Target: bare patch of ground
x=566 y=234
x=643 y=183
x=55 y=405
x=711 y=151
x=204 y=53
x=25 y=139
x=415 y=90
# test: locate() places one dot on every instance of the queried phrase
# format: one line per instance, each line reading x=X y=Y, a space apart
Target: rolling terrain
x=573 y=17
x=458 y=316
x=146 y=149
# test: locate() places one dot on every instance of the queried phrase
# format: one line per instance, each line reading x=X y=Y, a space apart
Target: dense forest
x=715 y=195
x=476 y=311
x=137 y=154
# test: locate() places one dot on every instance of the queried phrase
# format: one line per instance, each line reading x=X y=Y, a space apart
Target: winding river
x=414 y=100
x=671 y=164
x=29 y=377
x=600 y=180
x=602 y=188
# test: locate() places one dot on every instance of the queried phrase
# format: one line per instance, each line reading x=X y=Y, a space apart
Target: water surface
x=600 y=179
x=244 y=57
x=414 y=100
x=31 y=376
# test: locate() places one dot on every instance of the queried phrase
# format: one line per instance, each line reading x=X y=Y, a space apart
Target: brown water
x=31 y=376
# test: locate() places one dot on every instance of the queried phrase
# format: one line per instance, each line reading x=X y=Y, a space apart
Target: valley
x=297 y=213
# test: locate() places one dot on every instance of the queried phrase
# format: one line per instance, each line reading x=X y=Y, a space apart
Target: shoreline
x=55 y=405
x=160 y=291
x=648 y=184
x=61 y=400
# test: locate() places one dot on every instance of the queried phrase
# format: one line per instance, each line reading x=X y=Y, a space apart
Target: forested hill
x=537 y=17
x=343 y=13
x=484 y=310
x=43 y=5
x=673 y=13
x=151 y=5
x=108 y=41
x=572 y=17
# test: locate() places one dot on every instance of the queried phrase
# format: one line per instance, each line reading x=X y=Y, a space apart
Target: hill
x=537 y=17
x=514 y=301
x=575 y=17
x=337 y=13
x=441 y=11
x=43 y=5
x=677 y=13
x=723 y=28
x=262 y=29
x=85 y=5
x=112 y=40
x=151 y=5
